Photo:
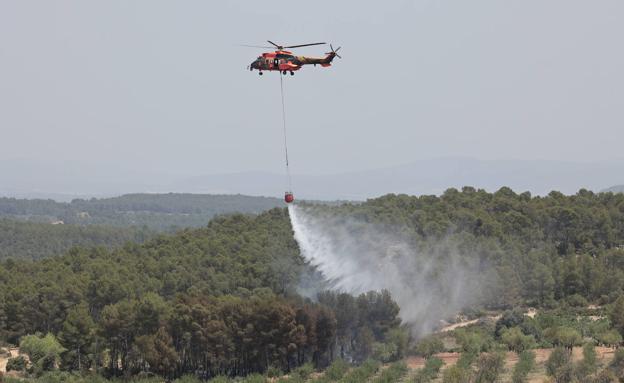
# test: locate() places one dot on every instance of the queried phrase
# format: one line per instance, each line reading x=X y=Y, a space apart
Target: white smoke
x=429 y=282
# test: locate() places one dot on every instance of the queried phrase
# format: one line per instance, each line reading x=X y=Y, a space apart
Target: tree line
x=205 y=336
x=160 y=212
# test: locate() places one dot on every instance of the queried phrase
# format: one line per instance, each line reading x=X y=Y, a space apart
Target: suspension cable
x=284 y=127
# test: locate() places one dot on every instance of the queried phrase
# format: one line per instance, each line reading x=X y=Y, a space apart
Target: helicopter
x=284 y=61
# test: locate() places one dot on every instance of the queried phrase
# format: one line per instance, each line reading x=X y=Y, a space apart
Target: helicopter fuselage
x=285 y=61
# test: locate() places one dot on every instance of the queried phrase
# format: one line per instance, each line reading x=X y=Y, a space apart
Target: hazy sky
x=163 y=85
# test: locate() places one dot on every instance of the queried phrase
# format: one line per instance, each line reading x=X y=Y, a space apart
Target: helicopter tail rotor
x=334 y=51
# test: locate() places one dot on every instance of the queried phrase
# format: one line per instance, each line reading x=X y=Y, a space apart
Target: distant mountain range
x=422 y=177
x=614 y=189
x=431 y=176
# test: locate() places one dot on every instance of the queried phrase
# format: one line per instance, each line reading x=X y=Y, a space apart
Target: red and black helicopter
x=284 y=61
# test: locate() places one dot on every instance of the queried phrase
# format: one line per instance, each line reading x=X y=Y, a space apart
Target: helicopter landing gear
x=260 y=73
x=284 y=72
x=292 y=73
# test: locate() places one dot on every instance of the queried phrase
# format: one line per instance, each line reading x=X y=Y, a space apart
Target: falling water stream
x=356 y=257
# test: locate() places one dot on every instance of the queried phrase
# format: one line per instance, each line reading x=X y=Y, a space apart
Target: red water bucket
x=289 y=197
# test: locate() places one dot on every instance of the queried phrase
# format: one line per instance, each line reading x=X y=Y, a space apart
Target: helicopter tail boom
x=323 y=61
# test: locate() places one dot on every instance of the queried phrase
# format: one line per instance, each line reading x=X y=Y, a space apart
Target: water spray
x=429 y=283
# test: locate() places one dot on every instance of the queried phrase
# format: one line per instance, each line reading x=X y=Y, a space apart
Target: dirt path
x=457 y=325
x=530 y=313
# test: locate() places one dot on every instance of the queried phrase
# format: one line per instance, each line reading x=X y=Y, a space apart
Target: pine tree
x=77 y=336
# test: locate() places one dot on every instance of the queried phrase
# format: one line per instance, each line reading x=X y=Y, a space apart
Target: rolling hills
x=160 y=212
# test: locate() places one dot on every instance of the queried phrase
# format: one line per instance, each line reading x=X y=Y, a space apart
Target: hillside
x=231 y=282
x=522 y=249
x=34 y=240
x=161 y=212
x=200 y=299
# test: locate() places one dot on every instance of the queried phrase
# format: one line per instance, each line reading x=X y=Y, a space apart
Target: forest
x=540 y=249
x=34 y=240
x=220 y=300
x=160 y=212
x=223 y=300
x=34 y=229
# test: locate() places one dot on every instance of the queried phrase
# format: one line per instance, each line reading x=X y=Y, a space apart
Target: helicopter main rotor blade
x=303 y=45
x=255 y=46
x=276 y=46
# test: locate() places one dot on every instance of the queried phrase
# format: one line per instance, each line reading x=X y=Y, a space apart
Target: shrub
x=609 y=338
x=605 y=376
x=557 y=359
x=428 y=346
x=456 y=374
x=523 y=367
x=434 y=365
x=44 y=352
x=509 y=319
x=392 y=374
x=398 y=337
x=220 y=379
x=490 y=367
x=617 y=364
x=565 y=374
x=16 y=364
x=516 y=341
x=362 y=373
x=466 y=359
x=384 y=352
x=66 y=377
x=474 y=340
x=187 y=379
x=274 y=372
x=334 y=372
x=429 y=371
x=303 y=371
x=255 y=378
x=291 y=379
x=564 y=336
x=588 y=365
